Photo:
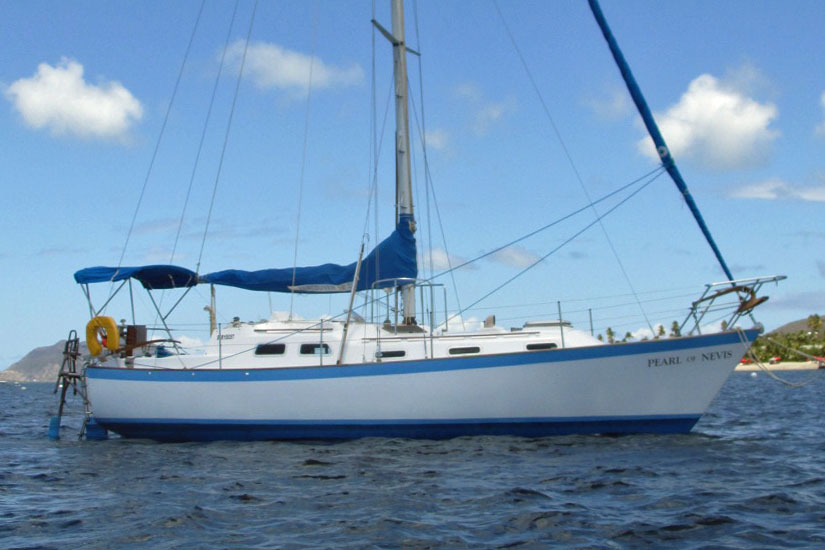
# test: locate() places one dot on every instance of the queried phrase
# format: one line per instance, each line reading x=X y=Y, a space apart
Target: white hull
x=654 y=386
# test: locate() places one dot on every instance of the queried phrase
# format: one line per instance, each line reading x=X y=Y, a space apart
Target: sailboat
x=401 y=373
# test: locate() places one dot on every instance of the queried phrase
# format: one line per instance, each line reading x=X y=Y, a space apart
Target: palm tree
x=674 y=329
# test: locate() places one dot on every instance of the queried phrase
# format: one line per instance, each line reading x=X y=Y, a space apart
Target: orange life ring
x=109 y=337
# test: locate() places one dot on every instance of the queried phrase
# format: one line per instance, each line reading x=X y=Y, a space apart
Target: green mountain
x=794 y=326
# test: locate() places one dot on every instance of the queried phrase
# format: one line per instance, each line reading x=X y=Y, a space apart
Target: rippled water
x=751 y=474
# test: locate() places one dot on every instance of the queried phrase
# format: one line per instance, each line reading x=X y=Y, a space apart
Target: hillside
x=39 y=365
x=794 y=326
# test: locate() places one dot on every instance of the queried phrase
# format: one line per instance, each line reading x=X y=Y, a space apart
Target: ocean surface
x=750 y=475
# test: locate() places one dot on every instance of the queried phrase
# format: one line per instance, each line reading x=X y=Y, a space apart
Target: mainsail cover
x=393 y=258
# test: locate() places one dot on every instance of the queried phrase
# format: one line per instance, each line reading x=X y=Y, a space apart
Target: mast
x=403 y=180
x=653 y=130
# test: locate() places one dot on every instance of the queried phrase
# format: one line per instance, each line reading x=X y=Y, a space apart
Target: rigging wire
x=226 y=138
x=431 y=189
x=200 y=144
x=376 y=144
x=556 y=249
x=568 y=155
x=580 y=310
x=373 y=143
x=428 y=181
x=373 y=191
x=303 y=159
x=160 y=138
x=598 y=298
x=768 y=371
x=654 y=174
x=423 y=135
x=203 y=132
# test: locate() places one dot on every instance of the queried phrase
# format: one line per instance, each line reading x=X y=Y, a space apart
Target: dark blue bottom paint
x=95 y=431
x=54 y=427
x=253 y=431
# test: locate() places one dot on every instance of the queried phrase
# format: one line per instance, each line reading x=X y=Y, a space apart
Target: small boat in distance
x=394 y=370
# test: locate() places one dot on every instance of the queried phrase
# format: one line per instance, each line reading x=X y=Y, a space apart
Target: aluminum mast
x=403 y=181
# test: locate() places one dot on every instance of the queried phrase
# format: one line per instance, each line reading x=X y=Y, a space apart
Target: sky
x=116 y=152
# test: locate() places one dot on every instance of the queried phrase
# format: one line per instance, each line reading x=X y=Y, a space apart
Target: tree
x=674 y=329
x=814 y=323
x=611 y=336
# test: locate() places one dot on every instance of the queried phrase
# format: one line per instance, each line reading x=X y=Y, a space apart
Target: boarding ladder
x=70 y=377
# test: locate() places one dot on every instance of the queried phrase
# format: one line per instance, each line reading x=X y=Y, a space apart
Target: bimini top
x=150 y=276
x=393 y=258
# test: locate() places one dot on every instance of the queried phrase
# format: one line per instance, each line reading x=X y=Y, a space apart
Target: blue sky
x=735 y=87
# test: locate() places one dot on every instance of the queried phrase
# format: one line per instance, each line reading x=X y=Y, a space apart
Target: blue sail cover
x=394 y=257
x=150 y=276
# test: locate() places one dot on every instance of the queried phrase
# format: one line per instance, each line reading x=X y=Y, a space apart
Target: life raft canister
x=96 y=341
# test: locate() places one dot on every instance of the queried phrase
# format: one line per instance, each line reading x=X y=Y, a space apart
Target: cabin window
x=390 y=353
x=270 y=349
x=461 y=351
x=314 y=349
x=543 y=345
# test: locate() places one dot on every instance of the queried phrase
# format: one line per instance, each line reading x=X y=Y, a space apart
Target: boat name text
x=680 y=360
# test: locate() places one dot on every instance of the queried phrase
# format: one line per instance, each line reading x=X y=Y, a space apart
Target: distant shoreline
x=785 y=365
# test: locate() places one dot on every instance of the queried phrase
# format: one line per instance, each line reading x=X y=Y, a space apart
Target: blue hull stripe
x=256 y=430
x=421 y=366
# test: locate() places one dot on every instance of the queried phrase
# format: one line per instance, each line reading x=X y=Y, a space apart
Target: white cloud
x=821 y=128
x=717 y=126
x=643 y=332
x=610 y=107
x=515 y=256
x=485 y=113
x=776 y=189
x=438 y=140
x=58 y=98
x=469 y=91
x=441 y=260
x=273 y=66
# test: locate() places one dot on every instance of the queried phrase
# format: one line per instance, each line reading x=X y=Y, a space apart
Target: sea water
x=750 y=475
